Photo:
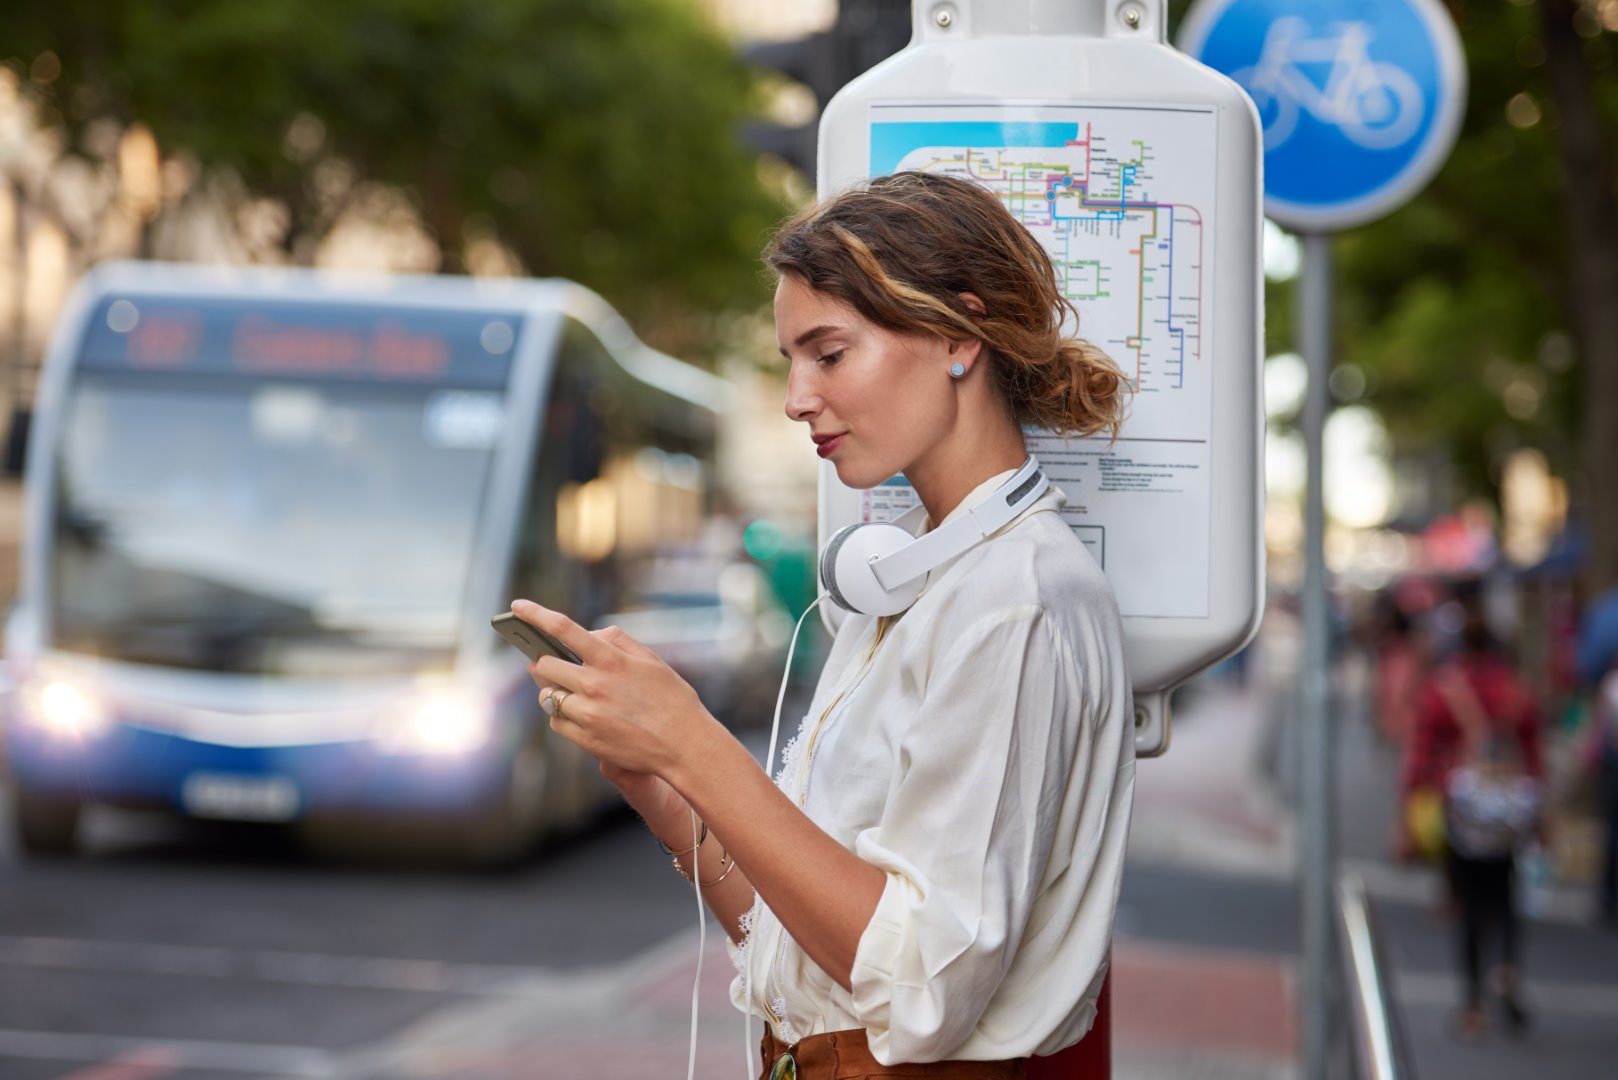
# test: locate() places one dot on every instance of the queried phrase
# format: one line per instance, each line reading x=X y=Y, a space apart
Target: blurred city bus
x=268 y=517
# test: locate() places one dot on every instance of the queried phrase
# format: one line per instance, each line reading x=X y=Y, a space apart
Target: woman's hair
x=903 y=248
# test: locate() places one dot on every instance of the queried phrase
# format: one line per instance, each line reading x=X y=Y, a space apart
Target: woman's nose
x=801 y=401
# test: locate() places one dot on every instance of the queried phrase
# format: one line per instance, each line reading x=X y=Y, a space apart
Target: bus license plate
x=239 y=797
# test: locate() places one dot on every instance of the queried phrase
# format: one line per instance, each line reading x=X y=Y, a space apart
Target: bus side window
x=565 y=549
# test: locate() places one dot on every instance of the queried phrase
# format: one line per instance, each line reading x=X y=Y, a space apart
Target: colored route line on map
x=1060 y=181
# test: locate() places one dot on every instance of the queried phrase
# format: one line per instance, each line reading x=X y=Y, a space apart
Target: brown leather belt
x=845 y=1055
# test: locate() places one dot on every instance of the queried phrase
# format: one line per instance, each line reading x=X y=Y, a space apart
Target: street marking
x=305 y=969
x=474 y=1036
x=264 y=1060
x=502 y=1018
x=146 y=1063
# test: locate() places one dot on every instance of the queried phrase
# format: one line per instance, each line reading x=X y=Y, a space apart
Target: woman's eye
x=830 y=358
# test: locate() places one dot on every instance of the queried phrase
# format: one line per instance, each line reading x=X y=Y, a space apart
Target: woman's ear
x=967 y=348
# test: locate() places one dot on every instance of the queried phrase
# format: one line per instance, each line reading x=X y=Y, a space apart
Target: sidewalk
x=1191 y=1012
x=1206 y=803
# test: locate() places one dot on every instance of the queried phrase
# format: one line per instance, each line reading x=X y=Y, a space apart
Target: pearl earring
x=957 y=369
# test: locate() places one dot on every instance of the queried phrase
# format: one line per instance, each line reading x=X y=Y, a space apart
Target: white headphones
x=880 y=567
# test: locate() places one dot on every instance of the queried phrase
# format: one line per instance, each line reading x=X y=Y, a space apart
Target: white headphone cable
x=702 y=949
x=769 y=759
x=696 y=882
x=775 y=727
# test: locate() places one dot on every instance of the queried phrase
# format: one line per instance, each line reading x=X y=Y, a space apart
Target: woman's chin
x=857 y=477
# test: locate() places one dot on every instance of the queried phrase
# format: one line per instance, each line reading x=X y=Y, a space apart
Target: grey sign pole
x=1316 y=855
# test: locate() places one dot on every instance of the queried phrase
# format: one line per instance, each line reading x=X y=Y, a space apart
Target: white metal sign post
x=1138 y=169
x=1360 y=102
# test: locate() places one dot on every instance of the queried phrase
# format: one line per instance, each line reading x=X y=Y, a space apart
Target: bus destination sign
x=281 y=339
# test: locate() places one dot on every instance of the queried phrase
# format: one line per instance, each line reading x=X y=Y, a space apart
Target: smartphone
x=530 y=640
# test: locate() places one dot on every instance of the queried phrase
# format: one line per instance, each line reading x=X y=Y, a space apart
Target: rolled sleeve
x=966 y=834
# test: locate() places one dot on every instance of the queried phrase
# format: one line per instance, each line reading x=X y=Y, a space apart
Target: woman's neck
x=982 y=439
x=942 y=486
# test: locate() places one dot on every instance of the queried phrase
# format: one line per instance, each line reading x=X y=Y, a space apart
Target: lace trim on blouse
x=738 y=955
x=789 y=757
x=790 y=768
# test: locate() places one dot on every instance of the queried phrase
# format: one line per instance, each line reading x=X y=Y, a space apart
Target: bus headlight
x=440 y=723
x=67 y=711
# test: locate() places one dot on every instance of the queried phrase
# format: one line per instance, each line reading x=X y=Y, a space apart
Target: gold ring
x=552 y=702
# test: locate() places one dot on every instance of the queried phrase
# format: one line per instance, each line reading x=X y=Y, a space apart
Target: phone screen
x=531 y=641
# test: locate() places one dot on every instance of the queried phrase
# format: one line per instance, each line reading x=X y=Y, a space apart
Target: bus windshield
x=271 y=526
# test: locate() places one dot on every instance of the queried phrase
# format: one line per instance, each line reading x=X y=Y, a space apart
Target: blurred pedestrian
x=1402 y=654
x=934 y=873
x=1476 y=742
x=1491 y=809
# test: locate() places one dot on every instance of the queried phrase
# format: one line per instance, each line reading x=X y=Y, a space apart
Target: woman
x=933 y=877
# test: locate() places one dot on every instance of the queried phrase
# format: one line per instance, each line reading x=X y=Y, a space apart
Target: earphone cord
x=702 y=948
x=696 y=881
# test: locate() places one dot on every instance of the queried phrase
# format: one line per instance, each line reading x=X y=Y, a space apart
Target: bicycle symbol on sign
x=1375 y=105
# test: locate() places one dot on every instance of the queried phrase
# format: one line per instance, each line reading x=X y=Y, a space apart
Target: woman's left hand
x=624 y=705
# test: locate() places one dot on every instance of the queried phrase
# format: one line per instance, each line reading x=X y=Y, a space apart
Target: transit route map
x=1119 y=196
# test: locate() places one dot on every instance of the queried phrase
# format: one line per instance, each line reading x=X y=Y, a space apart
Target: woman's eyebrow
x=812 y=333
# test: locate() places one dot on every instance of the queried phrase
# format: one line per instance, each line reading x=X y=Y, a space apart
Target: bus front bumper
x=132 y=766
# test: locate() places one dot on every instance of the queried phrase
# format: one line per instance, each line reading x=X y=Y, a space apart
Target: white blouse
x=980 y=750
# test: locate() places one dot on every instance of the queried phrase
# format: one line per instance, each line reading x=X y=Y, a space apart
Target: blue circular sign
x=1360 y=100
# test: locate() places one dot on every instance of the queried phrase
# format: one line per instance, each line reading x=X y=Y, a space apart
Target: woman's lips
x=825 y=449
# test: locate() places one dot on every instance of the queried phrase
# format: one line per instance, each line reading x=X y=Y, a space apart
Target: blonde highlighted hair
x=902 y=249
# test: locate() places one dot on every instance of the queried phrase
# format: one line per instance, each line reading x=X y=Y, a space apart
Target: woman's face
x=875 y=401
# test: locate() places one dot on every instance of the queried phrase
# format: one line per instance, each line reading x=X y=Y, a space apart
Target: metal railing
x=1380 y=1049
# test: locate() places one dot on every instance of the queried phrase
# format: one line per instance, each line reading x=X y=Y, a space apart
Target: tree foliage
x=1459 y=304
x=595 y=140
x=1478 y=311
x=1483 y=309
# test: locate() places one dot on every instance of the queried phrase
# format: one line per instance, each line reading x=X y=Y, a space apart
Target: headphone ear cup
x=845 y=568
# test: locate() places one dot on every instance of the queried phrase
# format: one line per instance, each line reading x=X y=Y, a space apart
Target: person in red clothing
x=1437 y=743
x=1471 y=713
x=1402 y=648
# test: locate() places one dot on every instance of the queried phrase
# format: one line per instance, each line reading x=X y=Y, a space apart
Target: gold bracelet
x=727 y=864
x=684 y=851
